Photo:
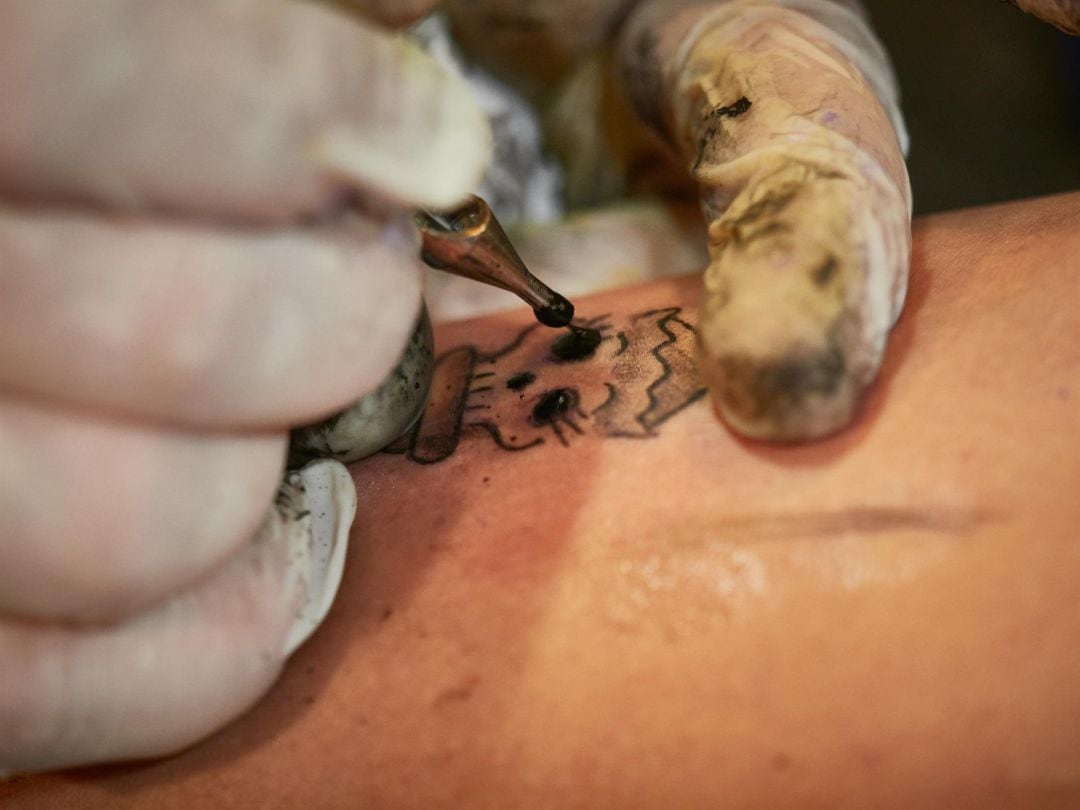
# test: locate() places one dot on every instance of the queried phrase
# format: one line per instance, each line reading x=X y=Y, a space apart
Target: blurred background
x=991 y=96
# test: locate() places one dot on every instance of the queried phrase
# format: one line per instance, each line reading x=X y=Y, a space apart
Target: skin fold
x=682 y=618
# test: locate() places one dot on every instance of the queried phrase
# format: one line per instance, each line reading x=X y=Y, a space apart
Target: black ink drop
x=579 y=344
x=557 y=315
x=553 y=406
x=519 y=381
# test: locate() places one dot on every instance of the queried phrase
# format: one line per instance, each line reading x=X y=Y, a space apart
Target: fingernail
x=431 y=152
x=320 y=512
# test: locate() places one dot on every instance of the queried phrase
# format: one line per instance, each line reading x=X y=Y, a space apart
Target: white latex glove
x=177 y=287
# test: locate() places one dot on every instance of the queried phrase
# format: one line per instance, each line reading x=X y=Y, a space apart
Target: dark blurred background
x=991 y=96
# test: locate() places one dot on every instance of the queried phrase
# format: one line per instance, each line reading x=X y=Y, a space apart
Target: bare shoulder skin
x=573 y=587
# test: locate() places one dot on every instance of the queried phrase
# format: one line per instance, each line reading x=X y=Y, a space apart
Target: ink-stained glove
x=180 y=285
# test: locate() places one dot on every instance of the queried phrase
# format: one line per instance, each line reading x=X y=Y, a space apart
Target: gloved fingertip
x=318 y=504
x=430 y=150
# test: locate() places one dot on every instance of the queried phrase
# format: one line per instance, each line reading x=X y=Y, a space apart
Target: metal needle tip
x=468 y=241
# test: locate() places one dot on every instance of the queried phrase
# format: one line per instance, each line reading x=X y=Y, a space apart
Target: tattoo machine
x=468 y=241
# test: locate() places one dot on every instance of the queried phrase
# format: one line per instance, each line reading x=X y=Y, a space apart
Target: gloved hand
x=179 y=286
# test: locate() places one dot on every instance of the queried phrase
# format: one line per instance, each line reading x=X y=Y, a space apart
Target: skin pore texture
x=650 y=612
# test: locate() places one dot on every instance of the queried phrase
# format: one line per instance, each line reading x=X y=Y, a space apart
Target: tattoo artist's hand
x=177 y=287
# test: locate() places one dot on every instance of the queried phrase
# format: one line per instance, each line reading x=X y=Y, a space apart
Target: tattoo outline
x=644 y=375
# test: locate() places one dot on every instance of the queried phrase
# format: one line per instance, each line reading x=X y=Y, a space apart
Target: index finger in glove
x=256 y=110
x=200 y=326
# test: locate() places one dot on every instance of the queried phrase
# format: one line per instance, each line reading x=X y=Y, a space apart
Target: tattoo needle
x=468 y=241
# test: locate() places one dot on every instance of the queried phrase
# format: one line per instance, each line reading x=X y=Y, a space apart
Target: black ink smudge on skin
x=496 y=435
x=553 y=404
x=556 y=408
x=578 y=344
x=520 y=381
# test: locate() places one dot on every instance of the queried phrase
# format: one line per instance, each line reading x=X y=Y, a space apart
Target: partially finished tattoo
x=640 y=375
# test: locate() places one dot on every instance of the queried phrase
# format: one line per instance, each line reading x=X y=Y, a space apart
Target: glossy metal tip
x=468 y=241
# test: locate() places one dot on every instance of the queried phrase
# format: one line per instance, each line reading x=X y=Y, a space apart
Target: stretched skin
x=886 y=619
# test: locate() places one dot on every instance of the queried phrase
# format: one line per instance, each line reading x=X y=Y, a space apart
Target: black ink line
x=593 y=323
x=694 y=397
x=667 y=312
x=521 y=381
x=657 y=352
x=509 y=347
x=676 y=387
x=496 y=435
x=562 y=439
x=622 y=434
x=612 y=395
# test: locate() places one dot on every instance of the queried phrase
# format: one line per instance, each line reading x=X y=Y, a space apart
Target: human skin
x=886 y=618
